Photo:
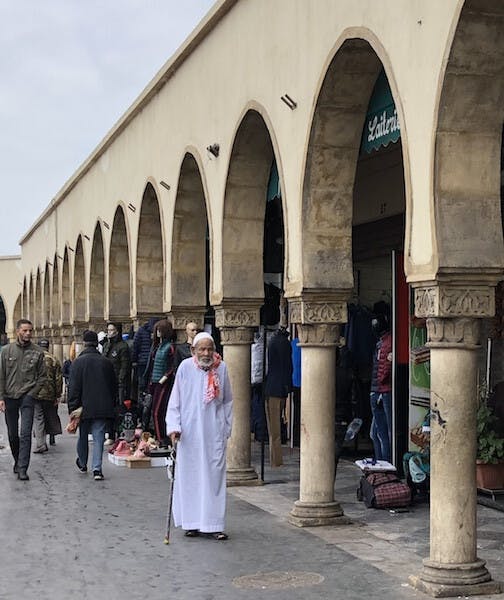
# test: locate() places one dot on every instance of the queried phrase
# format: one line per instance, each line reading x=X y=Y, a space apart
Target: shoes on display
x=108 y=442
x=98 y=476
x=82 y=469
x=22 y=474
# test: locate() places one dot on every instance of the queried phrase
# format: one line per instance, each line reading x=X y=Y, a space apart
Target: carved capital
x=453 y=333
x=322 y=334
x=237 y=314
x=445 y=300
x=181 y=315
x=232 y=336
x=313 y=310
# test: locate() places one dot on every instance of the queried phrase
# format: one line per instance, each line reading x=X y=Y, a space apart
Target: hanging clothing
x=199 y=495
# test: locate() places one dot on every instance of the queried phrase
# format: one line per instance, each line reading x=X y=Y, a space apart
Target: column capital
x=453 y=333
x=181 y=315
x=313 y=308
x=455 y=298
x=318 y=334
x=238 y=313
x=236 y=335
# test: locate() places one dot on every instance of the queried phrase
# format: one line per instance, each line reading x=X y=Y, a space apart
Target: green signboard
x=382 y=123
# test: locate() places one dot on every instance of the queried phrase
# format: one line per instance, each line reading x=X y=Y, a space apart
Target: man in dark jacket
x=278 y=386
x=93 y=386
x=22 y=374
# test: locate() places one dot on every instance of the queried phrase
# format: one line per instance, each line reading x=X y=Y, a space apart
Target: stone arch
x=55 y=299
x=3 y=319
x=468 y=143
x=331 y=166
x=97 y=277
x=46 y=316
x=38 y=300
x=18 y=310
x=79 y=283
x=119 y=269
x=244 y=208
x=25 y=301
x=31 y=300
x=66 y=295
x=189 y=239
x=150 y=256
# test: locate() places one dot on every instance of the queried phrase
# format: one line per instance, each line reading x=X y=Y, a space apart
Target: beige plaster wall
x=11 y=286
x=257 y=52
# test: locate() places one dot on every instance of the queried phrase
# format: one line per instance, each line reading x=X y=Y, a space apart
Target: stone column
x=236 y=324
x=66 y=340
x=453 y=568
x=318 y=332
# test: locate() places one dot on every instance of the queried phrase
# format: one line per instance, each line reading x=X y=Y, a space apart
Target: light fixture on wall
x=165 y=185
x=292 y=104
x=132 y=207
x=71 y=249
x=213 y=150
x=87 y=237
x=106 y=225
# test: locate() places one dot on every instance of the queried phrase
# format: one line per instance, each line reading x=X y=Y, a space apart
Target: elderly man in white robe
x=199 y=419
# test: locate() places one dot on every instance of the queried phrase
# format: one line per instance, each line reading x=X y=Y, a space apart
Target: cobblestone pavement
x=65 y=536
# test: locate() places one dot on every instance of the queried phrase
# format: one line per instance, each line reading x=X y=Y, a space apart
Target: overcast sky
x=68 y=70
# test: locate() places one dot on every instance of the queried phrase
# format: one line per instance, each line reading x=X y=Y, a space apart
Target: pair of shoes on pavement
x=41 y=450
x=97 y=475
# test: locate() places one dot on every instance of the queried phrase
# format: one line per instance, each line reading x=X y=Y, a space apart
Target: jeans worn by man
x=22 y=374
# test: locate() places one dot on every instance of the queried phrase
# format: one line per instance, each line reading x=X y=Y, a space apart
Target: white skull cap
x=203 y=335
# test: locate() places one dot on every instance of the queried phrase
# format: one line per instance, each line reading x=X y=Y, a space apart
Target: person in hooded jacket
x=93 y=386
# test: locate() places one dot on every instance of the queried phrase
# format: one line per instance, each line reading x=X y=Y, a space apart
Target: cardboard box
x=138 y=463
x=119 y=461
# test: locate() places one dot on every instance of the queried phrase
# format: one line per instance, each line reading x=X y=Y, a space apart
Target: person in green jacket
x=22 y=375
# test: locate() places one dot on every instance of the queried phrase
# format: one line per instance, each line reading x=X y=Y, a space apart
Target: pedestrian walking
x=46 y=420
x=93 y=386
x=22 y=375
x=199 y=420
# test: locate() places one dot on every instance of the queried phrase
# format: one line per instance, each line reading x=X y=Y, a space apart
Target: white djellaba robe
x=199 y=494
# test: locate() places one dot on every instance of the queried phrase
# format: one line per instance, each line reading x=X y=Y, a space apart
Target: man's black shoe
x=23 y=475
x=82 y=469
x=15 y=469
x=52 y=440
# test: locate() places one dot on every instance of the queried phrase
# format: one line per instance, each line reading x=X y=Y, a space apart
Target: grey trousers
x=39 y=425
x=20 y=438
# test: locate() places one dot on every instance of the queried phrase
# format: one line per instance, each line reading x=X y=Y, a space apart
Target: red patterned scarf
x=213 y=384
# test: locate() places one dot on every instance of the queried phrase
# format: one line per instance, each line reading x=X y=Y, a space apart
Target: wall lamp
x=132 y=207
x=214 y=150
x=71 y=249
x=87 y=237
x=292 y=104
x=106 y=225
x=165 y=185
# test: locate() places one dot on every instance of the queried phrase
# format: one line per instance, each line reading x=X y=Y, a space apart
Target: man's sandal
x=192 y=533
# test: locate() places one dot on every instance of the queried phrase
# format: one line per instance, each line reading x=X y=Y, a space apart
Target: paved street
x=67 y=536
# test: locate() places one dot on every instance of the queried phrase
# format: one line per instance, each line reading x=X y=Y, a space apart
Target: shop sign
x=382 y=122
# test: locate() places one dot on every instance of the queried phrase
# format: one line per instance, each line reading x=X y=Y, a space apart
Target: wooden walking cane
x=171 y=471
